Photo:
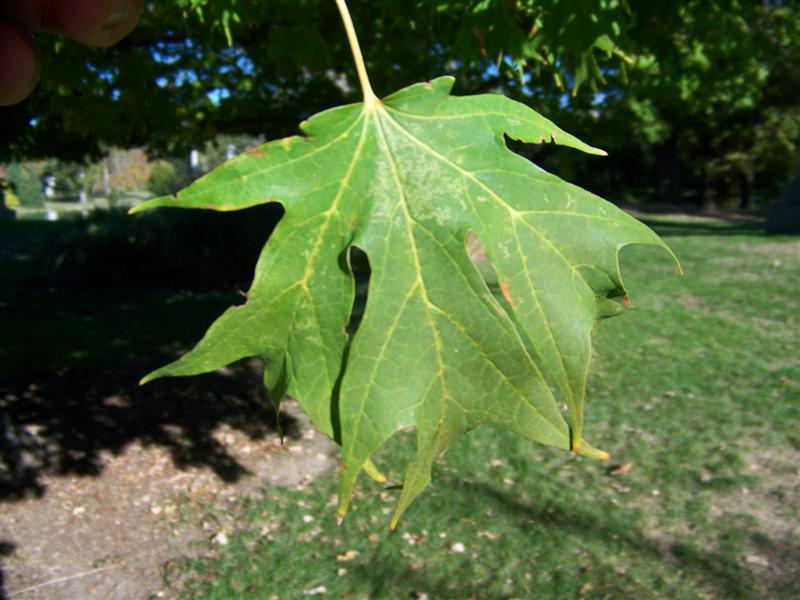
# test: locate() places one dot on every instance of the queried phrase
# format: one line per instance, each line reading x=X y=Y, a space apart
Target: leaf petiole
x=370 y=99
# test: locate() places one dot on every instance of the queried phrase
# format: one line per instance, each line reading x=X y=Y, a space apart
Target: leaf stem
x=370 y=99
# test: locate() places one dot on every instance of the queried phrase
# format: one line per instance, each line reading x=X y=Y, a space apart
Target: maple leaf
x=407 y=179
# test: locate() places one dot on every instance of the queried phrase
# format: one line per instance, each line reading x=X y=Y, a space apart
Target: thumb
x=92 y=22
x=20 y=68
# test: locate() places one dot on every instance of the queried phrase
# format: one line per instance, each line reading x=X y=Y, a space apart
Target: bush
x=26 y=185
x=162 y=180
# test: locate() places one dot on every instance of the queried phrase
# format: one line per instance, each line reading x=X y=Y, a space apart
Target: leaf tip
x=443 y=83
x=588 y=149
x=340 y=517
x=374 y=473
x=393 y=523
x=153 y=203
x=588 y=451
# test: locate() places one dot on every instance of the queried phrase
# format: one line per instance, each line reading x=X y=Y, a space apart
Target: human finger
x=93 y=22
x=19 y=64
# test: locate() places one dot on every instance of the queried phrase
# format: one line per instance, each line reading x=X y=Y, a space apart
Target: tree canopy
x=712 y=80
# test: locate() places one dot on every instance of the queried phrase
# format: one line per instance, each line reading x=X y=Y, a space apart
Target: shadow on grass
x=723 y=574
x=727 y=576
x=6 y=549
x=61 y=424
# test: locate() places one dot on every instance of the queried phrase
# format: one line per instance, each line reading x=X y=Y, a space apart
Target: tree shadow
x=725 y=575
x=728 y=577
x=781 y=576
x=6 y=549
x=61 y=424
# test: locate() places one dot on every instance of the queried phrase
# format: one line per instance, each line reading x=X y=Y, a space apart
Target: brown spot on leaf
x=626 y=301
x=507 y=293
x=256 y=152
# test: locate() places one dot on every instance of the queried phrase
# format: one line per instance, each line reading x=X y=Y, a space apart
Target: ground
x=181 y=487
x=123 y=490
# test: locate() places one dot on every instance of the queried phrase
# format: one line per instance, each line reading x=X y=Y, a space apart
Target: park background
x=182 y=488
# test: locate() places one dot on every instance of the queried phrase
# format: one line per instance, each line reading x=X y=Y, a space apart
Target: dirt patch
x=97 y=474
x=773 y=502
x=692 y=302
x=788 y=249
x=767 y=511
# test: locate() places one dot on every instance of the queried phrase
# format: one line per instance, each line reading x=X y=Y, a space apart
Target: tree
x=707 y=91
x=194 y=68
x=713 y=100
x=26 y=183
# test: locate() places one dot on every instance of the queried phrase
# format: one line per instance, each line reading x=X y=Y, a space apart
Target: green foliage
x=278 y=62
x=26 y=183
x=163 y=179
x=718 y=96
x=707 y=78
x=69 y=176
x=405 y=180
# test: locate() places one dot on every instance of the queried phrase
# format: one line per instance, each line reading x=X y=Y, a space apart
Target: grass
x=695 y=392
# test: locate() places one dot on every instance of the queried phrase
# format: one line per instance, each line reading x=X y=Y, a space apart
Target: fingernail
x=118 y=13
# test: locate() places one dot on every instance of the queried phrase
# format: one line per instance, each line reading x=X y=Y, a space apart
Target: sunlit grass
x=695 y=392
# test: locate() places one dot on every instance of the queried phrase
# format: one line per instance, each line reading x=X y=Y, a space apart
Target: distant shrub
x=163 y=179
x=26 y=185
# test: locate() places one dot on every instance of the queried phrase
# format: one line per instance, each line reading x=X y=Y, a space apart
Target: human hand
x=98 y=23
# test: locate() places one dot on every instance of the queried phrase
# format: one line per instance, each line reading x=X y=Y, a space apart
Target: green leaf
x=581 y=75
x=605 y=44
x=406 y=180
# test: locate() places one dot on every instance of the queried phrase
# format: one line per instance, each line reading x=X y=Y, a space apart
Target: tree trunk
x=106 y=179
x=745 y=189
x=669 y=176
x=708 y=195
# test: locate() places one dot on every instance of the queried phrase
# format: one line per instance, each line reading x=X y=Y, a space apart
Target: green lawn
x=696 y=390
